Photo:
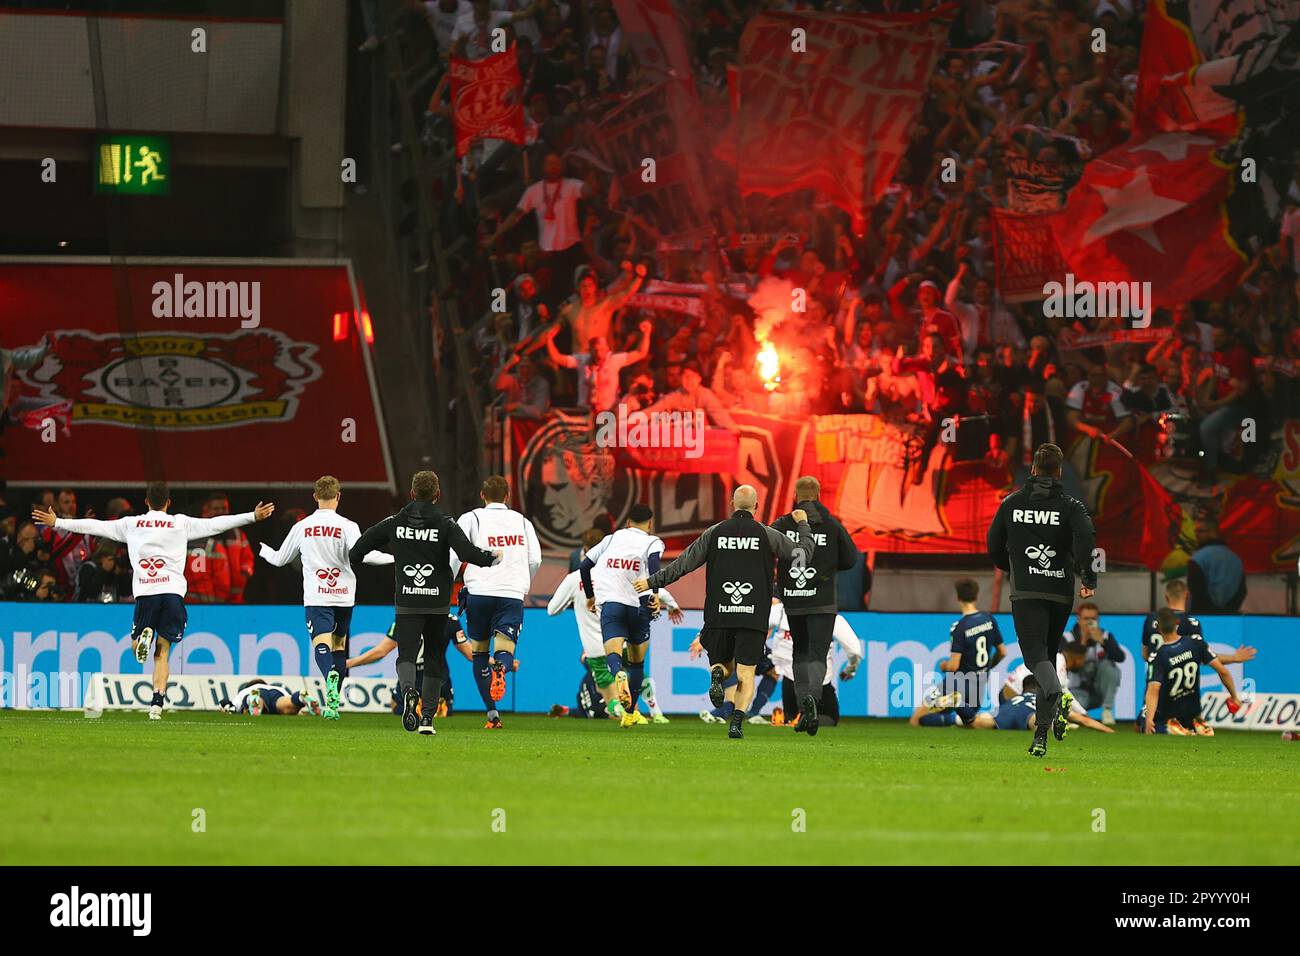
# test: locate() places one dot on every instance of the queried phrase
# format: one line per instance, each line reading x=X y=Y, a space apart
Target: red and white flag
x=1158 y=208
x=1152 y=211
x=654 y=32
x=487 y=100
x=832 y=113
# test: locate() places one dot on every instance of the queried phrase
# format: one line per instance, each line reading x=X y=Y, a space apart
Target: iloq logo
x=151 y=566
x=737 y=590
x=328 y=575
x=418 y=573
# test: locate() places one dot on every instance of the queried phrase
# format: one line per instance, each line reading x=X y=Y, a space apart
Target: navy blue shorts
x=269 y=697
x=942 y=718
x=1013 y=716
x=486 y=616
x=165 y=613
x=329 y=620
x=621 y=620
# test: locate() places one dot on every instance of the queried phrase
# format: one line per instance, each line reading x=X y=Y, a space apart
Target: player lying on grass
x=329 y=585
x=1173 y=698
x=259 y=698
x=1017 y=712
x=156 y=542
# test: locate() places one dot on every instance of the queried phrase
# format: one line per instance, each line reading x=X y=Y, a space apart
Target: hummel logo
x=151 y=566
x=1040 y=553
x=801 y=574
x=419 y=572
x=329 y=575
x=737 y=590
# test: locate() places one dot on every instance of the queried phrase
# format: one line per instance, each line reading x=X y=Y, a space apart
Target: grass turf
x=122 y=790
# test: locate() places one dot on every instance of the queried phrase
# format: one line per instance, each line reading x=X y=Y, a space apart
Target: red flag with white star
x=1153 y=210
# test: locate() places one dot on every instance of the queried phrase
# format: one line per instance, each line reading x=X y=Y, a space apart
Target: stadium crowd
x=46 y=564
x=907 y=321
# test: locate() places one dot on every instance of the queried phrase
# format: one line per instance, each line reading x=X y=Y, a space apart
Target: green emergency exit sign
x=133 y=165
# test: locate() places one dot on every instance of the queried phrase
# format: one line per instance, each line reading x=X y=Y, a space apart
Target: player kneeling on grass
x=1173 y=700
x=608 y=572
x=156 y=543
x=259 y=698
x=329 y=585
x=976 y=649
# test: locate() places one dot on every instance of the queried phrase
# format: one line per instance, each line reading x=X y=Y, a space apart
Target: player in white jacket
x=156 y=542
x=589 y=633
x=494 y=607
x=329 y=585
x=608 y=572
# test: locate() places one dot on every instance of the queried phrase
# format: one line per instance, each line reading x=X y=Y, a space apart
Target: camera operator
x=20 y=563
x=97 y=578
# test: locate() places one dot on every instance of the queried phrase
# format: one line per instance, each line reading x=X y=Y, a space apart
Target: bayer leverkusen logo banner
x=487 y=101
x=199 y=373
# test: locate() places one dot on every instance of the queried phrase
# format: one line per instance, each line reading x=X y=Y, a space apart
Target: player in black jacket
x=420 y=538
x=808 y=594
x=739 y=555
x=1043 y=538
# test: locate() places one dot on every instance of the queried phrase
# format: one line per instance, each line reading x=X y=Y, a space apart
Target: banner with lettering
x=655 y=126
x=563 y=478
x=827 y=102
x=1142 y=509
x=487 y=99
x=202 y=372
x=1026 y=255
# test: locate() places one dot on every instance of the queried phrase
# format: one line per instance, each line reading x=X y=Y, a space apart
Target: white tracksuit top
x=498 y=528
x=156 y=542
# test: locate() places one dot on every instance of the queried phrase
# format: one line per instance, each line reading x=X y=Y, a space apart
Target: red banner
x=203 y=373
x=487 y=101
x=1027 y=255
x=563 y=480
x=827 y=102
x=1142 y=513
x=656 y=125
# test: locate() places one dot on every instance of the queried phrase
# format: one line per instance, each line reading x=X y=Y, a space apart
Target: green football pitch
x=211 y=788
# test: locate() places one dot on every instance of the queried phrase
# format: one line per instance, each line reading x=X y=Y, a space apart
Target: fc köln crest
x=176 y=380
